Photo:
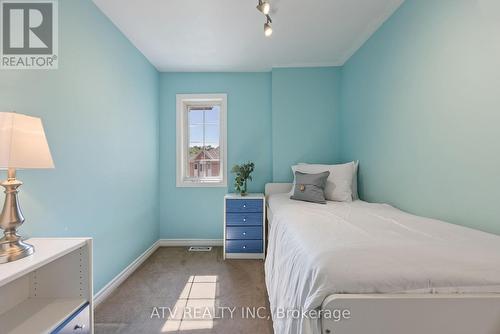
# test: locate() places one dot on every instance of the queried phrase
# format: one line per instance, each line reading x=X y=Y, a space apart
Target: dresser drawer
x=244 y=246
x=78 y=323
x=250 y=232
x=241 y=219
x=244 y=205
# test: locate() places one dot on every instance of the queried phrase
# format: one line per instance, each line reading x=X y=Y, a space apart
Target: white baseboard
x=190 y=242
x=104 y=293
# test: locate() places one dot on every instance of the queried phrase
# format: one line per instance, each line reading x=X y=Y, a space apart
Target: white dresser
x=50 y=291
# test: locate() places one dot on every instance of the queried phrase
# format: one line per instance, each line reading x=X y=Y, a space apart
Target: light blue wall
x=197 y=212
x=100 y=112
x=417 y=104
x=421 y=110
x=305 y=125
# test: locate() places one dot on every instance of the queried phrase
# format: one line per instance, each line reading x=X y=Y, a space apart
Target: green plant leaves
x=243 y=173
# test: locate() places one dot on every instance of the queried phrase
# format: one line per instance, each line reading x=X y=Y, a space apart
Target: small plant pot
x=244 y=190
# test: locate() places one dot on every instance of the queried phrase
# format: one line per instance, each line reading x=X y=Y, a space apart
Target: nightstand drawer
x=250 y=232
x=244 y=246
x=244 y=205
x=244 y=219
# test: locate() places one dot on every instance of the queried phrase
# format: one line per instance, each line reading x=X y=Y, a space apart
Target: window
x=201 y=140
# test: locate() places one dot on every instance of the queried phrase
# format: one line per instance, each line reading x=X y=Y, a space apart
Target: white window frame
x=183 y=102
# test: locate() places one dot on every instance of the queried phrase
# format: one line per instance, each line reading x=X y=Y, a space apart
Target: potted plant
x=243 y=173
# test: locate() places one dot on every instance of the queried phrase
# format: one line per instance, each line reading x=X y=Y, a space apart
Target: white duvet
x=316 y=250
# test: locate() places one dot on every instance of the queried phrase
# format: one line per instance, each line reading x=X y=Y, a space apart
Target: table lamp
x=22 y=146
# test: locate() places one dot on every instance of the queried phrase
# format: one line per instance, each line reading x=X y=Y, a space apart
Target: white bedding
x=316 y=250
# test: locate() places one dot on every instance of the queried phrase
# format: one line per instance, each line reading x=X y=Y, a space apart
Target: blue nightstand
x=244 y=226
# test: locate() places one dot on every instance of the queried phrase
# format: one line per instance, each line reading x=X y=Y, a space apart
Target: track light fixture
x=268 y=30
x=264 y=7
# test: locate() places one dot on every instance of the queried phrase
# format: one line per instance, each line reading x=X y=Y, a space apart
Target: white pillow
x=355 y=195
x=339 y=183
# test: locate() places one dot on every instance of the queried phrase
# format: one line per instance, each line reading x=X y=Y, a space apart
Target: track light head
x=264 y=7
x=268 y=30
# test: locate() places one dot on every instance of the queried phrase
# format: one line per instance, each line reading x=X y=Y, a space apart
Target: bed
x=358 y=267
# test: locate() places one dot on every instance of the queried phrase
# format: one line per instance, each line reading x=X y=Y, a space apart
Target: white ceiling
x=227 y=35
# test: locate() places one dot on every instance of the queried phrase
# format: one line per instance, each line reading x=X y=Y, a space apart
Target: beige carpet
x=176 y=291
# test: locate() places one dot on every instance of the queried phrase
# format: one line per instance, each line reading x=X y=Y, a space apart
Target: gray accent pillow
x=310 y=187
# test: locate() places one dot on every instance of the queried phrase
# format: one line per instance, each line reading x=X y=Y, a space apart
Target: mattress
x=316 y=250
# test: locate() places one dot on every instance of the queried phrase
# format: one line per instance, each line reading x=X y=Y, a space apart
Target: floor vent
x=200 y=249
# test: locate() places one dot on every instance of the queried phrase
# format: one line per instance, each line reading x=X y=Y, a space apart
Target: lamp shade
x=22 y=142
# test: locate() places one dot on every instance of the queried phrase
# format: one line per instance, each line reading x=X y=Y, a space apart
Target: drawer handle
x=244 y=233
x=244 y=220
x=78 y=327
x=244 y=247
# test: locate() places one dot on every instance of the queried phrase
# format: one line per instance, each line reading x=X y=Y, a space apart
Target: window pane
x=195 y=140
x=203 y=141
x=212 y=127
x=212 y=134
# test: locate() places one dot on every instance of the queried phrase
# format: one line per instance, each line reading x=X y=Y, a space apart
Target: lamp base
x=12 y=249
x=12 y=246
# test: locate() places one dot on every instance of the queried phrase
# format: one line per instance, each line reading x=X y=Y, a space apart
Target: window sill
x=191 y=184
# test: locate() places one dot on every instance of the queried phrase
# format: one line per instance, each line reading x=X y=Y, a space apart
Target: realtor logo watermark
x=29 y=34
